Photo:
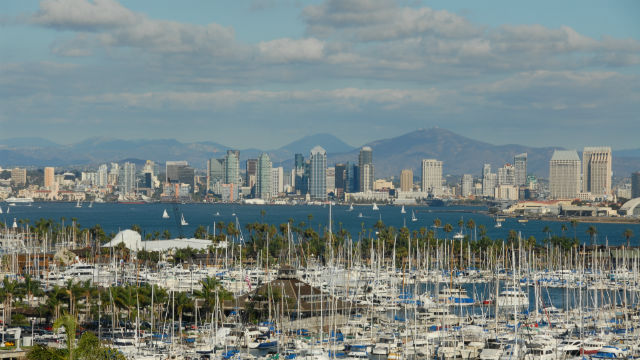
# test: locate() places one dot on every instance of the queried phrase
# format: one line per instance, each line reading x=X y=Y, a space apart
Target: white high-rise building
x=318 y=174
x=102 y=175
x=432 y=176
x=277 y=181
x=520 y=165
x=507 y=175
x=263 y=177
x=564 y=174
x=596 y=171
x=489 y=183
x=128 y=183
x=331 y=179
x=467 y=185
x=365 y=164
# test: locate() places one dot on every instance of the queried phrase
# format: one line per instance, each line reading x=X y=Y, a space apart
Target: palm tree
x=592 y=231
x=628 y=234
x=69 y=323
x=547 y=231
x=563 y=228
x=471 y=225
x=448 y=228
x=166 y=235
x=574 y=225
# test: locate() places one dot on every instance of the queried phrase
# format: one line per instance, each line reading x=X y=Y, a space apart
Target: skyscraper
x=172 y=169
x=489 y=181
x=317 y=174
x=277 y=181
x=564 y=174
x=19 y=176
x=520 y=165
x=340 y=179
x=635 y=185
x=467 y=185
x=406 y=180
x=365 y=164
x=432 y=176
x=103 y=175
x=331 y=180
x=596 y=171
x=263 y=177
x=128 y=183
x=232 y=168
x=507 y=175
x=215 y=173
x=251 y=173
x=301 y=182
x=351 y=178
x=49 y=177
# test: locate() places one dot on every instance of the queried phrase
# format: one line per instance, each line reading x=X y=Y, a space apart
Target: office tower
x=263 y=177
x=564 y=174
x=172 y=168
x=49 y=177
x=340 y=178
x=252 y=172
x=147 y=180
x=596 y=171
x=351 y=178
x=520 y=165
x=365 y=165
x=432 y=176
x=507 y=175
x=635 y=185
x=128 y=183
x=331 y=180
x=317 y=174
x=102 y=175
x=406 y=180
x=299 y=161
x=187 y=175
x=277 y=181
x=467 y=185
x=232 y=168
x=215 y=173
x=489 y=183
x=486 y=170
x=19 y=176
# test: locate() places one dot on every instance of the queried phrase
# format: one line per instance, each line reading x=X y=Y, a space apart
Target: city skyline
x=135 y=70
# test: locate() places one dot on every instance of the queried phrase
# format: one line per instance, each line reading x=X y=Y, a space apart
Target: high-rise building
x=467 y=185
x=331 y=180
x=103 y=173
x=19 y=176
x=215 y=173
x=507 y=175
x=635 y=185
x=432 y=176
x=564 y=174
x=596 y=171
x=251 y=173
x=49 y=177
x=232 y=168
x=520 y=165
x=187 y=175
x=299 y=161
x=486 y=170
x=340 y=177
x=351 y=178
x=263 y=177
x=172 y=169
x=406 y=180
x=365 y=164
x=317 y=174
x=489 y=183
x=277 y=181
x=128 y=183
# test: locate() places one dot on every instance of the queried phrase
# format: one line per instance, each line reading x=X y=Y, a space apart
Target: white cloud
x=290 y=50
x=83 y=15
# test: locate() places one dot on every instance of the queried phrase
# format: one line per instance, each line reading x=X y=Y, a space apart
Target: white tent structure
x=133 y=241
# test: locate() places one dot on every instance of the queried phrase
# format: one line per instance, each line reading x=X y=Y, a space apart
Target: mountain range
x=460 y=154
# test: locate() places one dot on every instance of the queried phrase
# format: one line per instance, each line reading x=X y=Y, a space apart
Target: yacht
x=375 y=207
x=513 y=296
x=454 y=296
x=16 y=201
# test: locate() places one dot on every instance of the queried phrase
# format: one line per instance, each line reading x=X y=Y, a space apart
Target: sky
x=263 y=73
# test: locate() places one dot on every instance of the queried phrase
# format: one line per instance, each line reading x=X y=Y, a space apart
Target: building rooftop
x=566 y=155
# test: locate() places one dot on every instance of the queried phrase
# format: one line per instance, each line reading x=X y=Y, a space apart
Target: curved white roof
x=133 y=241
x=630 y=205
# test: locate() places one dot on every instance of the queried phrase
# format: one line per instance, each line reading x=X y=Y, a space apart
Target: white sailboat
x=8 y=209
x=413 y=216
x=15 y=224
x=79 y=204
x=165 y=215
x=183 y=222
x=403 y=211
x=351 y=207
x=0 y=210
x=375 y=207
x=91 y=204
x=360 y=215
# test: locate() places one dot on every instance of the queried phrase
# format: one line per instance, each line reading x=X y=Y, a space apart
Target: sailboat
x=351 y=207
x=79 y=204
x=360 y=215
x=8 y=209
x=183 y=222
x=413 y=216
x=217 y=213
x=375 y=207
x=91 y=204
x=403 y=211
x=0 y=210
x=165 y=215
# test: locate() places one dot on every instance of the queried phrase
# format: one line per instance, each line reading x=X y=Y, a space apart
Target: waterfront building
x=466 y=185
x=635 y=184
x=340 y=180
x=128 y=184
x=232 y=168
x=331 y=180
x=277 y=181
x=564 y=174
x=506 y=192
x=507 y=175
x=365 y=164
x=18 y=176
x=406 y=180
x=263 y=177
x=432 y=176
x=596 y=171
x=49 y=177
x=317 y=174
x=520 y=166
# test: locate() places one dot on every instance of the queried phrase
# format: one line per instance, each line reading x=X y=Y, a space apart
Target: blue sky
x=266 y=72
